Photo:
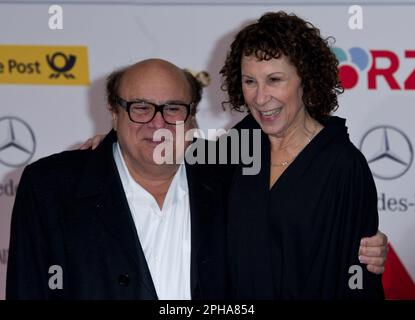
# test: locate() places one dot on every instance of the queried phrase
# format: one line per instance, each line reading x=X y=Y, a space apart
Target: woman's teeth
x=271 y=112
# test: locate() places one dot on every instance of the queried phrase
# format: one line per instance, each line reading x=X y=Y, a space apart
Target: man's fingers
x=86 y=145
x=373 y=251
x=97 y=140
x=374 y=264
x=92 y=143
x=379 y=239
x=374 y=261
x=375 y=269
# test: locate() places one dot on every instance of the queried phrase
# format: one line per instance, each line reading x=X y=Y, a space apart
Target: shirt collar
x=180 y=177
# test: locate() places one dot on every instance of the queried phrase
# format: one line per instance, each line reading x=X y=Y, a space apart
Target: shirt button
x=124 y=279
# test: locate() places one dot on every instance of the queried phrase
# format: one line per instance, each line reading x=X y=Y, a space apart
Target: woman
x=295 y=228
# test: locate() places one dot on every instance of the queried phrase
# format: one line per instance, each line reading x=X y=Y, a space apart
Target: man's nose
x=157 y=122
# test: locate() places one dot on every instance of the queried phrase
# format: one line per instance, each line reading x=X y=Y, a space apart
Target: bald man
x=112 y=223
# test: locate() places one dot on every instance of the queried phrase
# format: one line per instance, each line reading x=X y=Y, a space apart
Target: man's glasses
x=141 y=111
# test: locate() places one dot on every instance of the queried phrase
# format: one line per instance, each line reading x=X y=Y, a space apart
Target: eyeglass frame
x=126 y=105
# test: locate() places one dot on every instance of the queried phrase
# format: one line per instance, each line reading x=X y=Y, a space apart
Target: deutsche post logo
x=52 y=65
x=59 y=70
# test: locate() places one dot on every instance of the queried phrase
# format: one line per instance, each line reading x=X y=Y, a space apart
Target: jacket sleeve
x=27 y=271
x=357 y=203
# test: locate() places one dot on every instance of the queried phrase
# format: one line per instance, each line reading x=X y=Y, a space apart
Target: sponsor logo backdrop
x=52 y=88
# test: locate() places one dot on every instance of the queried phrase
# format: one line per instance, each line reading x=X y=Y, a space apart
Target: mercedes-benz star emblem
x=388 y=151
x=17 y=142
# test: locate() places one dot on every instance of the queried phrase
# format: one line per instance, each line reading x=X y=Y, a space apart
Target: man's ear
x=193 y=122
x=114 y=116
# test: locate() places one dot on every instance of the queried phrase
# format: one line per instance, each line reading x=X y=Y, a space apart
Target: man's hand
x=93 y=142
x=373 y=252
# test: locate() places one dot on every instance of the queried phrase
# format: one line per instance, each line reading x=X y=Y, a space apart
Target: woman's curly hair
x=278 y=33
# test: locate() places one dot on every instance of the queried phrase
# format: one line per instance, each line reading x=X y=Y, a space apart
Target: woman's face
x=273 y=92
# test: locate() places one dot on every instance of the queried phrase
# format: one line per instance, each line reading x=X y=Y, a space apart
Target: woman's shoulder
x=339 y=144
x=349 y=155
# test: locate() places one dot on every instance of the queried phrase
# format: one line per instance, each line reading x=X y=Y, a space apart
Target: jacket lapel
x=101 y=181
x=200 y=198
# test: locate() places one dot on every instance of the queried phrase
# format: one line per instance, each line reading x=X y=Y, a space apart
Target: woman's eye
x=274 y=79
x=248 y=81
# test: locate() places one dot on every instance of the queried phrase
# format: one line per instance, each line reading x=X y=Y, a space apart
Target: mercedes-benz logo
x=388 y=151
x=17 y=142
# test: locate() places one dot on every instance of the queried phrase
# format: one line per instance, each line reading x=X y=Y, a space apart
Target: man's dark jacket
x=71 y=219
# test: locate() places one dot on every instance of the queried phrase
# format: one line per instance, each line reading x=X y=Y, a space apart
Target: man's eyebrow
x=164 y=102
x=176 y=101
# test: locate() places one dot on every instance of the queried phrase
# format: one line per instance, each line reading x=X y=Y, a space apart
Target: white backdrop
x=196 y=35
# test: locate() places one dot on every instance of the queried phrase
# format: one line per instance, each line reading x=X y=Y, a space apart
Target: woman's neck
x=296 y=136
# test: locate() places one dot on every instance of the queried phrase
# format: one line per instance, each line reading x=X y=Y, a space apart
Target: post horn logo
x=56 y=66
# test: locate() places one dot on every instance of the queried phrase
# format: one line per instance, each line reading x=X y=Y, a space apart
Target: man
x=116 y=224
x=113 y=224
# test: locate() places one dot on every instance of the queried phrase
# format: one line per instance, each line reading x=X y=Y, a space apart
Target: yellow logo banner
x=52 y=65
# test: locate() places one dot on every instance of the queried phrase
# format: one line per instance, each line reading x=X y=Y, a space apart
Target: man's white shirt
x=165 y=234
